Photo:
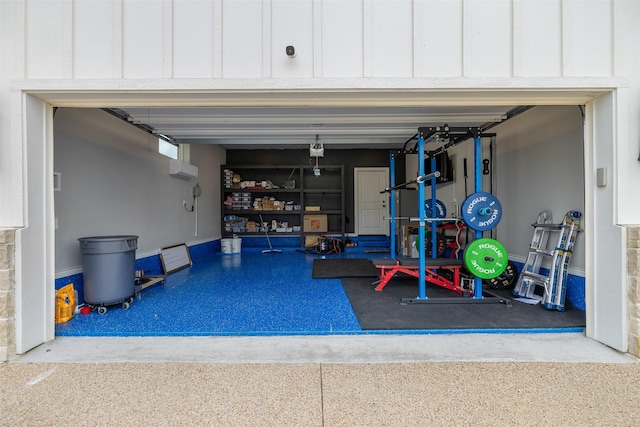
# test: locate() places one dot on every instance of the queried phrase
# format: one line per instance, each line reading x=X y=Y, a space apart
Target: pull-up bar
x=418 y=180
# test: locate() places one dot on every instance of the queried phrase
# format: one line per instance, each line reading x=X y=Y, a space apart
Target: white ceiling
x=297 y=127
x=290 y=115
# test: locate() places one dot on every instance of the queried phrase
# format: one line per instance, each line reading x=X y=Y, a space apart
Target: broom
x=266 y=233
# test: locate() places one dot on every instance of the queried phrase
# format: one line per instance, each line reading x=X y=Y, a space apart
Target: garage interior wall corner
x=114 y=182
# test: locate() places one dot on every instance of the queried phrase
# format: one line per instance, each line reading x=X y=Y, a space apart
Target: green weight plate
x=486 y=258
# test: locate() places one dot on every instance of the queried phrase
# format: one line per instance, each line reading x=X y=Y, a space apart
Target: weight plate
x=481 y=211
x=486 y=258
x=440 y=210
x=441 y=242
x=507 y=280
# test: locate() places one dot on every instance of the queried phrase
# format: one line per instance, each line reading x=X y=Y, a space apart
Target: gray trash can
x=108 y=265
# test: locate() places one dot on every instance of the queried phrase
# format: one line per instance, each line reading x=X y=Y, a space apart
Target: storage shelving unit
x=325 y=191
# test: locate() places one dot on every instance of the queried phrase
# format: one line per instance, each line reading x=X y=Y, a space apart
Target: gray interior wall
x=540 y=166
x=114 y=182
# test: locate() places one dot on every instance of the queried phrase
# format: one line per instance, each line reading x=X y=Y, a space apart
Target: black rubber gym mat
x=336 y=268
x=382 y=310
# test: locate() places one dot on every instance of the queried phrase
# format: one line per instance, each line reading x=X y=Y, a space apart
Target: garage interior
x=536 y=164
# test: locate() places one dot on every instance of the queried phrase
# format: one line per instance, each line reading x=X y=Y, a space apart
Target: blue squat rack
x=453 y=136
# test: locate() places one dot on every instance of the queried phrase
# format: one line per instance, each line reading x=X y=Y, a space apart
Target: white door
x=370 y=207
x=34 y=261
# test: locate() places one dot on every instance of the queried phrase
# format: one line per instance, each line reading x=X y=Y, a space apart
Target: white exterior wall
x=147 y=39
x=206 y=45
x=97 y=53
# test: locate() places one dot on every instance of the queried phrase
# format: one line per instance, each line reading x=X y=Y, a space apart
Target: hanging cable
x=196 y=191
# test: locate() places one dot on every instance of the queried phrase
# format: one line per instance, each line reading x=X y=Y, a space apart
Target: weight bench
x=410 y=266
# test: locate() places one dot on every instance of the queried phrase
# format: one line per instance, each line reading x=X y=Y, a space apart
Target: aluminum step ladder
x=545 y=272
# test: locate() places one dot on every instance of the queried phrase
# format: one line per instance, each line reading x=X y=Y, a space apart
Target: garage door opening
x=536 y=164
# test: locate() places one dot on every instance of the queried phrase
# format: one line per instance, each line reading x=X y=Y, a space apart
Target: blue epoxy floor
x=245 y=294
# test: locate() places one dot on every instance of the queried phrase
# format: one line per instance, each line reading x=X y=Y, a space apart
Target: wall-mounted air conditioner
x=182 y=170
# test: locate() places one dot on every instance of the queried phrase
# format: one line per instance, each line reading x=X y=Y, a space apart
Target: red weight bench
x=410 y=266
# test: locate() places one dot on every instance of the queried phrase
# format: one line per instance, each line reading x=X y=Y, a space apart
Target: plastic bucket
x=108 y=268
x=236 y=245
x=226 y=245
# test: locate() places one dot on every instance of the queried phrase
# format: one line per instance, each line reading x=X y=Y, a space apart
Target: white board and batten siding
x=229 y=39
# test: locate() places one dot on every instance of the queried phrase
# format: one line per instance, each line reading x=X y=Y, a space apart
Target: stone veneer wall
x=7 y=294
x=633 y=288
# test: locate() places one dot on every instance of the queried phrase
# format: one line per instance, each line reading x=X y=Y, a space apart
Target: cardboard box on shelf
x=315 y=223
x=312 y=208
x=266 y=204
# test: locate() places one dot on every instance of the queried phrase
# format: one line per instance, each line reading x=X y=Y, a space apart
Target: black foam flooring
x=383 y=310
x=336 y=268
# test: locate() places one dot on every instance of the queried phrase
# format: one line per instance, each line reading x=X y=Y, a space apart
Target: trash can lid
x=107 y=238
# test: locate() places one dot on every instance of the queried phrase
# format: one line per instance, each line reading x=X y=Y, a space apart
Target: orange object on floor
x=65 y=303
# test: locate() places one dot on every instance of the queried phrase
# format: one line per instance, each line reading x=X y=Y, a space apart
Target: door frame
x=606 y=304
x=35 y=242
x=603 y=123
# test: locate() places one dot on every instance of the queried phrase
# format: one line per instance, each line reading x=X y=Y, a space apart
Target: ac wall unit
x=182 y=170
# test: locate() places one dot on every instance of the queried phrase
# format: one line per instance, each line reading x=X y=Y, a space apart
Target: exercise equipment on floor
x=485 y=258
x=549 y=285
x=390 y=267
x=506 y=280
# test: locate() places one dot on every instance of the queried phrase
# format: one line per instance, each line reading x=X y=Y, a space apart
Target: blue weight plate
x=440 y=211
x=481 y=211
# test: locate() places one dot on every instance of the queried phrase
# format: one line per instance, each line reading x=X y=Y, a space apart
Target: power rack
x=484 y=207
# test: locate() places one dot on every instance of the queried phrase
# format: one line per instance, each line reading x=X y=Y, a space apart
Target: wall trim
x=574 y=271
x=317 y=92
x=66 y=272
